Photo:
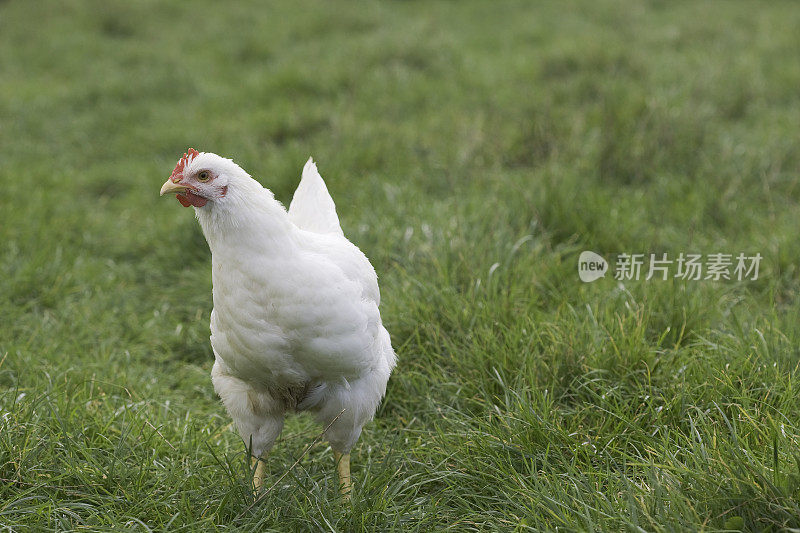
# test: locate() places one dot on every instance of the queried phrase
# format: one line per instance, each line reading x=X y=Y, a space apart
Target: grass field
x=474 y=149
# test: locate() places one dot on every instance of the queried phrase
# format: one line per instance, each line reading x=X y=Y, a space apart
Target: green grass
x=454 y=136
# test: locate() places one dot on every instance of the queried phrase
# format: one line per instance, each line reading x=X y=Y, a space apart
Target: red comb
x=187 y=158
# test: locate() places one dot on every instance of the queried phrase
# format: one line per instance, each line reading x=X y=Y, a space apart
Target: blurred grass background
x=473 y=149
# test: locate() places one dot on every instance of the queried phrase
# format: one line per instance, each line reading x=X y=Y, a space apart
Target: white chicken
x=295 y=324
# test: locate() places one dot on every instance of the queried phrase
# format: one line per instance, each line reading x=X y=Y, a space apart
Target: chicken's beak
x=170 y=186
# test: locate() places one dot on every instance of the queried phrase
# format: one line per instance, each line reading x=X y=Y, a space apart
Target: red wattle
x=189 y=198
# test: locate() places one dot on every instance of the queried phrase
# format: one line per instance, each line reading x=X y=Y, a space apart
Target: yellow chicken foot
x=260 y=474
x=343 y=468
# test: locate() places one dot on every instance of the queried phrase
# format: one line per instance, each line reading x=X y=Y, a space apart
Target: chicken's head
x=196 y=179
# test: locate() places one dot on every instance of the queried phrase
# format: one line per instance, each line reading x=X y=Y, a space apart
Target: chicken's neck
x=254 y=223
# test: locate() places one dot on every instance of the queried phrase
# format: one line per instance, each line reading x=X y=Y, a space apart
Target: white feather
x=312 y=207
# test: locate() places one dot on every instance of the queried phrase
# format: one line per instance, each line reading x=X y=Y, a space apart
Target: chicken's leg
x=258 y=417
x=343 y=468
x=260 y=474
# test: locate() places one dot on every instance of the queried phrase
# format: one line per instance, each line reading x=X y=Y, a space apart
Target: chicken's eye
x=203 y=176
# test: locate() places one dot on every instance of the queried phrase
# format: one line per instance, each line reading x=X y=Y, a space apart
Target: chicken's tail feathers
x=312 y=208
